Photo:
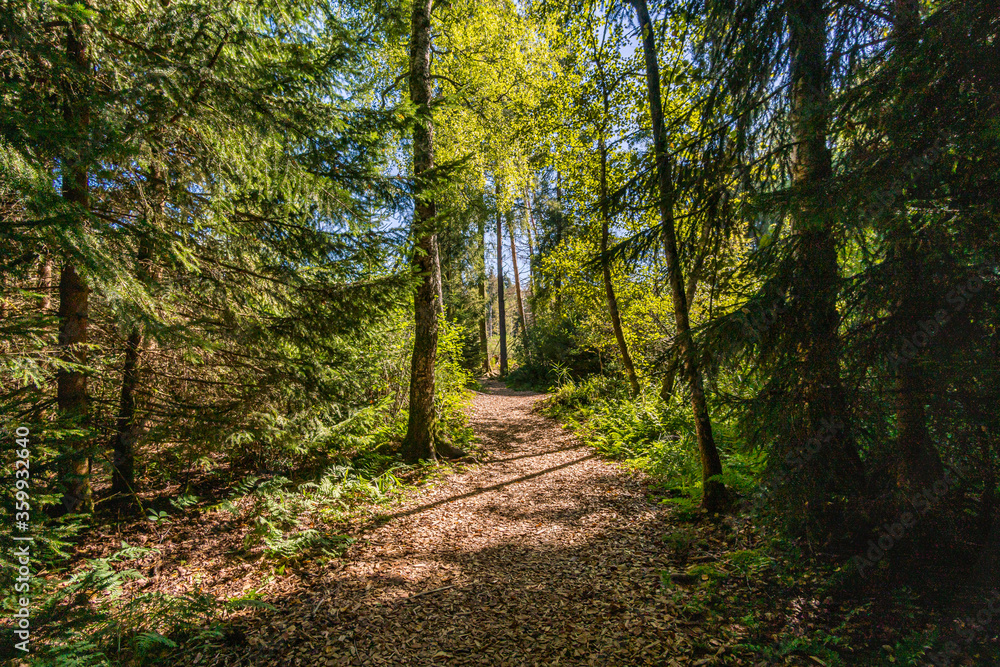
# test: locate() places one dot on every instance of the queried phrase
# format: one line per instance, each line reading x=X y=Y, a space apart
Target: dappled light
x=603 y=333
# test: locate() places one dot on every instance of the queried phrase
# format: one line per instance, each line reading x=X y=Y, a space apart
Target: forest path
x=539 y=554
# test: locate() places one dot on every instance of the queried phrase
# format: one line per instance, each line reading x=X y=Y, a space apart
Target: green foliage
x=749 y=563
x=581 y=396
x=307 y=439
x=88 y=618
x=246 y=176
x=452 y=379
x=648 y=434
x=289 y=520
x=555 y=350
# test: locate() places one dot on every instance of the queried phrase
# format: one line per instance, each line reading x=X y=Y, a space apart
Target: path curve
x=541 y=554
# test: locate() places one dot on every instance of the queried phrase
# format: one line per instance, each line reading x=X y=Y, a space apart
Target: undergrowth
x=647 y=433
x=287 y=484
x=779 y=599
x=96 y=613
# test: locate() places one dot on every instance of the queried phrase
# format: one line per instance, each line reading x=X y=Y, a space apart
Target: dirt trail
x=541 y=554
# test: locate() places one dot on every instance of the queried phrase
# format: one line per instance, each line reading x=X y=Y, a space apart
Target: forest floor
x=540 y=553
x=535 y=550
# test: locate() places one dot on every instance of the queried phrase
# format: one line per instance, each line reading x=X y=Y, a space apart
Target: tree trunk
x=483 y=306
x=609 y=289
x=501 y=315
x=45 y=284
x=667 y=386
x=422 y=426
x=918 y=464
x=517 y=285
x=531 y=249
x=489 y=307
x=815 y=292
x=129 y=426
x=71 y=393
x=715 y=496
x=557 y=282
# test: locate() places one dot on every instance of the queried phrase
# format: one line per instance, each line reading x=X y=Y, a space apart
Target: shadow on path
x=547 y=555
x=487 y=489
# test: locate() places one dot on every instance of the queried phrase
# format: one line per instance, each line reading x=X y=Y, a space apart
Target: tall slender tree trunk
x=557 y=283
x=814 y=297
x=484 y=348
x=609 y=289
x=531 y=249
x=501 y=315
x=715 y=496
x=71 y=392
x=917 y=462
x=489 y=306
x=517 y=284
x=422 y=426
x=45 y=283
x=667 y=386
x=129 y=427
x=440 y=275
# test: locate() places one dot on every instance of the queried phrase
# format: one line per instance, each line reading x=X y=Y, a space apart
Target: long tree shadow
x=597 y=600
x=534 y=454
x=486 y=489
x=507 y=434
x=497 y=388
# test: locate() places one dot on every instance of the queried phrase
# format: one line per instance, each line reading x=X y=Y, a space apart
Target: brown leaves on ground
x=541 y=554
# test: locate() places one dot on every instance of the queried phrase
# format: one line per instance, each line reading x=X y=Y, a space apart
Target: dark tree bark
x=814 y=295
x=667 y=386
x=501 y=315
x=71 y=392
x=609 y=289
x=422 y=431
x=128 y=427
x=917 y=462
x=715 y=496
